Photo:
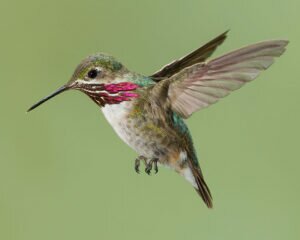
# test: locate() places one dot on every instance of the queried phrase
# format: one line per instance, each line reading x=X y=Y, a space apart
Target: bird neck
x=111 y=93
x=124 y=88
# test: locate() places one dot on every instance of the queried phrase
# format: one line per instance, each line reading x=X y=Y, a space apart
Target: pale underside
x=156 y=143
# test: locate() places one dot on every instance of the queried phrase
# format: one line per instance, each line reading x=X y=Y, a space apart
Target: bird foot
x=152 y=163
x=138 y=163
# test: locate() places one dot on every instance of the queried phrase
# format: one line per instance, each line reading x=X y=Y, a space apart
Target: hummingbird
x=148 y=112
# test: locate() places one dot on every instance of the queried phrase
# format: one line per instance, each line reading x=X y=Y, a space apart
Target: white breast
x=116 y=116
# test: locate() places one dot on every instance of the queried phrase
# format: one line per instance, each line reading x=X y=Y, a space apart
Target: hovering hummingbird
x=147 y=112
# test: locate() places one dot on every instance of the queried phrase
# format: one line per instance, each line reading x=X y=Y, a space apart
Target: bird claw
x=155 y=167
x=148 y=169
x=149 y=165
x=137 y=165
x=138 y=162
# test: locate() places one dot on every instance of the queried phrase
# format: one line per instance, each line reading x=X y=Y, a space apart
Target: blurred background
x=64 y=174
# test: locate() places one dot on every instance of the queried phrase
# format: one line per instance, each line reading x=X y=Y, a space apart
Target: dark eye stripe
x=93 y=73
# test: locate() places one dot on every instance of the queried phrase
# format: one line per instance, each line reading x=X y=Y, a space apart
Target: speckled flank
x=135 y=132
x=148 y=135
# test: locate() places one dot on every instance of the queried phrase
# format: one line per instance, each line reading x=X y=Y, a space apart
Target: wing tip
x=199 y=55
x=282 y=43
x=221 y=38
x=226 y=32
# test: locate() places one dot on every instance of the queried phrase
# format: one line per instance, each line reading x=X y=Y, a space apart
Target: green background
x=64 y=174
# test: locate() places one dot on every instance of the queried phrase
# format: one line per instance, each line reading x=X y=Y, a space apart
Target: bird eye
x=93 y=73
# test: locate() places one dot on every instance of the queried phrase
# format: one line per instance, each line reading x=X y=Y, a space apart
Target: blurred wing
x=203 y=84
x=199 y=55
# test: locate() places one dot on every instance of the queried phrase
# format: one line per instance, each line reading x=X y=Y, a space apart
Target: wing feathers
x=269 y=48
x=199 y=55
x=201 y=85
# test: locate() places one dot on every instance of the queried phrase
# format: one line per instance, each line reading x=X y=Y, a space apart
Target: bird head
x=102 y=78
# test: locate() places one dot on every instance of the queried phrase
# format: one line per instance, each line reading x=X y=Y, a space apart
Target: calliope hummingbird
x=148 y=112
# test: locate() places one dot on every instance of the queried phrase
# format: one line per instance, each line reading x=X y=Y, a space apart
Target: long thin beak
x=58 y=91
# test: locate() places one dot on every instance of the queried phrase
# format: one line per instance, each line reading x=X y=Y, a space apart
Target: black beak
x=58 y=91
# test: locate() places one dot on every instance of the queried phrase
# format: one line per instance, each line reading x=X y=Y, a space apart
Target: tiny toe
x=155 y=169
x=155 y=166
x=148 y=169
x=137 y=165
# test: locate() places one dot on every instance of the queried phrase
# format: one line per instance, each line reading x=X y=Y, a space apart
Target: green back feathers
x=180 y=125
x=141 y=80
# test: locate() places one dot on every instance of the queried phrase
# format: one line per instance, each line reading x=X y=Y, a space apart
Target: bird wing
x=199 y=55
x=203 y=84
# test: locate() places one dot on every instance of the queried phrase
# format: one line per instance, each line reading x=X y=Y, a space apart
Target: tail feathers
x=200 y=185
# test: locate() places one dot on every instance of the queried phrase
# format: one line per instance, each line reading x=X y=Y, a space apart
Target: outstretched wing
x=203 y=84
x=197 y=56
